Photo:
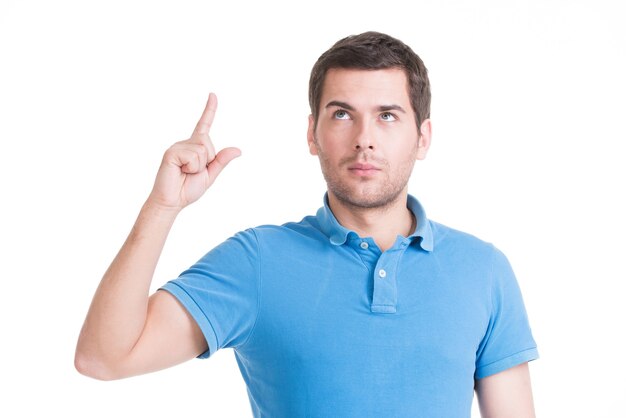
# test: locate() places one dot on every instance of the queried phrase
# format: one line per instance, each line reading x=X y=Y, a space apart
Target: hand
x=190 y=167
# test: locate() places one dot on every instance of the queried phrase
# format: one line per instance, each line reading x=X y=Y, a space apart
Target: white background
x=528 y=112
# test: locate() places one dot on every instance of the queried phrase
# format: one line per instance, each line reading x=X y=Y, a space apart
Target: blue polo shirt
x=324 y=324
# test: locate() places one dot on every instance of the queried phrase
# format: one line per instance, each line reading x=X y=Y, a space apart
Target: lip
x=362 y=166
x=363 y=169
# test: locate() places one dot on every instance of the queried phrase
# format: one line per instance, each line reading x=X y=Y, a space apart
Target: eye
x=341 y=114
x=388 y=117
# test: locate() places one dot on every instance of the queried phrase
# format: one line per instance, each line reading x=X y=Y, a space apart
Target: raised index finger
x=204 y=124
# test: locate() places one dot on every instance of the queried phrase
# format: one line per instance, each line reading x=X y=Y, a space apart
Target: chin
x=368 y=200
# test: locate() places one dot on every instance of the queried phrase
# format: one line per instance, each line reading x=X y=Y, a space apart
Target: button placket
x=385 y=296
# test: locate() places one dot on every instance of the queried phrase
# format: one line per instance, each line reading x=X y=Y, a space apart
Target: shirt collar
x=338 y=234
x=423 y=230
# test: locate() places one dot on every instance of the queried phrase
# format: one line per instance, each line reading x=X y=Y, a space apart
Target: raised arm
x=126 y=332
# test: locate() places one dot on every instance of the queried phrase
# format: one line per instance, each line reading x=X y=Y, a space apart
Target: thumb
x=221 y=160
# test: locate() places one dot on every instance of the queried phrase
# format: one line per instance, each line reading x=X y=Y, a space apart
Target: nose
x=364 y=137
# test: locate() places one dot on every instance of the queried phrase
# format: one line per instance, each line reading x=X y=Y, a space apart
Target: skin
x=367 y=143
x=507 y=394
x=126 y=332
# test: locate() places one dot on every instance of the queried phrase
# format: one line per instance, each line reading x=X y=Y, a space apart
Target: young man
x=367 y=308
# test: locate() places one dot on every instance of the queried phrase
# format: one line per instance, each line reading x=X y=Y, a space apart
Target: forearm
x=121 y=336
x=118 y=311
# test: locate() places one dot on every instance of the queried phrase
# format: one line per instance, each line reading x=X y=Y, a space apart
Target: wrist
x=152 y=209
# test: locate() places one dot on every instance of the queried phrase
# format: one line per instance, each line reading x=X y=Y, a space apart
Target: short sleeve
x=221 y=291
x=508 y=341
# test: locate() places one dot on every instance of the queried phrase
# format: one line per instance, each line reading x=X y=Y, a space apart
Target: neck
x=382 y=224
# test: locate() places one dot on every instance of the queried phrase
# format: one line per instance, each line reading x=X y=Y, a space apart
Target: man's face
x=366 y=137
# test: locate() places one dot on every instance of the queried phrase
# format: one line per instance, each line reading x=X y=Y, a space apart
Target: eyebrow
x=382 y=108
x=337 y=103
x=391 y=107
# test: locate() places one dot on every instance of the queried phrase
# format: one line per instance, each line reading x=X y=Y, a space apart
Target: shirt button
x=382 y=273
x=364 y=245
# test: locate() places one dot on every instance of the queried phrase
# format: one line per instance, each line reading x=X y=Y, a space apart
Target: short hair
x=373 y=51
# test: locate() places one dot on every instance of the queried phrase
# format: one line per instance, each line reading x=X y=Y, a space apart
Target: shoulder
x=253 y=241
x=306 y=229
x=465 y=249
x=446 y=237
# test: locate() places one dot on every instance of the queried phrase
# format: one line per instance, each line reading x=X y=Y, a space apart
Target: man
x=367 y=309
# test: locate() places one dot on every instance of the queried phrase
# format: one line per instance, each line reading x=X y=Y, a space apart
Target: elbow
x=94 y=368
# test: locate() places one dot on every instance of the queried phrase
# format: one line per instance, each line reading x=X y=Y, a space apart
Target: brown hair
x=373 y=51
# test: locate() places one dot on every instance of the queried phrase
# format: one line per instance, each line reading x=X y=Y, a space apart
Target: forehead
x=357 y=86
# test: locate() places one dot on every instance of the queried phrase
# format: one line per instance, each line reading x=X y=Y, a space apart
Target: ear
x=310 y=136
x=423 y=142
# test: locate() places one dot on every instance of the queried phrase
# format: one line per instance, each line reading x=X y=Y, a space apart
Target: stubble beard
x=371 y=193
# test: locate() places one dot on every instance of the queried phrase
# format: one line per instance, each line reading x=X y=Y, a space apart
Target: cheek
x=335 y=129
x=404 y=152
x=330 y=142
x=328 y=152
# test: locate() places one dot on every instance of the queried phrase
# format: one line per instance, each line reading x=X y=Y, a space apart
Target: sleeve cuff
x=506 y=363
x=198 y=315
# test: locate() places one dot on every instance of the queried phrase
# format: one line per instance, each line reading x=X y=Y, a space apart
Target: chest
x=326 y=310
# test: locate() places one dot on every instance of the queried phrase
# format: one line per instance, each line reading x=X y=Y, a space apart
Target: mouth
x=363 y=169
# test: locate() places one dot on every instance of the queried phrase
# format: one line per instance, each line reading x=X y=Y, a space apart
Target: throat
x=383 y=225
